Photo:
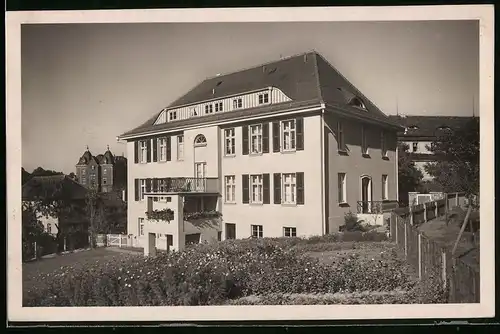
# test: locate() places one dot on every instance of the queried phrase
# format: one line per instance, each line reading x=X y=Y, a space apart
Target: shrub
x=351 y=223
x=211 y=274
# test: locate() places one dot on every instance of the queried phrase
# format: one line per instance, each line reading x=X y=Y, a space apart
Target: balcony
x=377 y=207
x=184 y=185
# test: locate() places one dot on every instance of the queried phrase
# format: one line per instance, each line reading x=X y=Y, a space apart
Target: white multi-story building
x=281 y=149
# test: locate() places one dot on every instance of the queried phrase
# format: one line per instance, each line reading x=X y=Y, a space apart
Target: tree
x=457 y=168
x=25 y=176
x=73 y=176
x=92 y=202
x=409 y=176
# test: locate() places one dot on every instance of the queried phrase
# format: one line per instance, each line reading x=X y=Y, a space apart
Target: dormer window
x=172 y=115
x=444 y=128
x=218 y=106
x=209 y=109
x=263 y=98
x=237 y=103
x=356 y=102
x=413 y=127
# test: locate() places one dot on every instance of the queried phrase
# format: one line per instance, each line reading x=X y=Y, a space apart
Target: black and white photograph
x=300 y=162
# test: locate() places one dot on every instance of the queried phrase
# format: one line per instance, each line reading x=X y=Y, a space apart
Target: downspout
x=322 y=154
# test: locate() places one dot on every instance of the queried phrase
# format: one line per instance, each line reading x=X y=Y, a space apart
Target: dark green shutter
x=148 y=148
x=245 y=188
x=169 y=148
x=265 y=189
x=148 y=185
x=244 y=142
x=299 y=128
x=276 y=136
x=155 y=149
x=300 y=187
x=136 y=152
x=265 y=137
x=136 y=189
x=277 y=188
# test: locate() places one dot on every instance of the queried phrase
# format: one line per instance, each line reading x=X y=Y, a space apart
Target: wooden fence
x=430 y=259
x=115 y=240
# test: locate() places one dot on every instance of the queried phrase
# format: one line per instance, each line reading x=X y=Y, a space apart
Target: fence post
x=120 y=242
x=456 y=199
x=410 y=212
x=436 y=211
x=406 y=239
x=425 y=212
x=419 y=255
x=36 y=252
x=444 y=268
x=396 y=223
x=64 y=243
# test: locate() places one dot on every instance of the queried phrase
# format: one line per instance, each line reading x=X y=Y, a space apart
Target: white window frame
x=385 y=187
x=230 y=142
x=172 y=115
x=289 y=232
x=180 y=147
x=143 y=151
x=256 y=181
x=238 y=103
x=291 y=183
x=230 y=189
x=342 y=186
x=200 y=140
x=104 y=181
x=364 y=141
x=209 y=109
x=219 y=107
x=162 y=148
x=340 y=136
x=414 y=147
x=142 y=188
x=291 y=143
x=251 y=137
x=264 y=98
x=141 y=226
x=257 y=231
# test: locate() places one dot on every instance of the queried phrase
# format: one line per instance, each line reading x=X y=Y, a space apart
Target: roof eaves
x=318 y=83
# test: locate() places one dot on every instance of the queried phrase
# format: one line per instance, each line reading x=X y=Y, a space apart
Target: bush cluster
x=212 y=274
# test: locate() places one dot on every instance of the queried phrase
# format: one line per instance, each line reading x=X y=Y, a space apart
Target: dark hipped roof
x=55 y=187
x=308 y=79
x=428 y=126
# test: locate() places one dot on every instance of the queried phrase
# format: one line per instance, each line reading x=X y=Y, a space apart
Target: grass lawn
x=32 y=270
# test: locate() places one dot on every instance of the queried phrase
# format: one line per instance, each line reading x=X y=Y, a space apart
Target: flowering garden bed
x=238 y=272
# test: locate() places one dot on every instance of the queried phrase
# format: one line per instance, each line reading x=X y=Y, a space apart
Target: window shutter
x=265 y=137
x=299 y=126
x=148 y=147
x=276 y=136
x=245 y=188
x=156 y=142
x=300 y=187
x=148 y=185
x=155 y=185
x=265 y=189
x=136 y=152
x=277 y=188
x=244 y=128
x=169 y=148
x=136 y=189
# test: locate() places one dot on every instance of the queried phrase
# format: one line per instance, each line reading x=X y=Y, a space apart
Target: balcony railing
x=377 y=207
x=183 y=185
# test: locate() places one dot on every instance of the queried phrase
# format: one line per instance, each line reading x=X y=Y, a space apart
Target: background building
x=105 y=172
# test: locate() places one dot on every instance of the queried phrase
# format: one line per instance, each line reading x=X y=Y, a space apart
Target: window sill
x=230 y=203
x=288 y=151
x=289 y=204
x=256 y=203
x=162 y=161
x=255 y=154
x=180 y=159
x=342 y=152
x=344 y=205
x=229 y=155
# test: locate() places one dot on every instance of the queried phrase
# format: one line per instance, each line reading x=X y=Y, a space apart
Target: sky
x=85 y=84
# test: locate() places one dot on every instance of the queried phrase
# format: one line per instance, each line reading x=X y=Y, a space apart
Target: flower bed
x=216 y=274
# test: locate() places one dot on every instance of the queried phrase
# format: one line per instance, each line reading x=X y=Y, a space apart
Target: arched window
x=200 y=140
x=356 y=102
x=49 y=228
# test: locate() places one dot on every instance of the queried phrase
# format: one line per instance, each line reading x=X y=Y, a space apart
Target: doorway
x=366 y=194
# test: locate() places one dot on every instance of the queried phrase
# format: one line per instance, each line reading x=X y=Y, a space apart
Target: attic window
x=356 y=102
x=413 y=127
x=444 y=128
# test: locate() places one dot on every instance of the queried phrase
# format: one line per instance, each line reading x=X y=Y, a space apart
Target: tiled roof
x=308 y=79
x=56 y=187
x=428 y=126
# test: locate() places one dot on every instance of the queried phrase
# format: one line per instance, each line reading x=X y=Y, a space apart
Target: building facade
x=104 y=172
x=420 y=132
x=281 y=149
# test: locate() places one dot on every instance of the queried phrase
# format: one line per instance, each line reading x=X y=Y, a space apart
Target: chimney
x=305 y=58
x=213 y=91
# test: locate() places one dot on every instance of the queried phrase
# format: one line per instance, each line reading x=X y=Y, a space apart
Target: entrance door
x=366 y=194
x=200 y=171
x=230 y=231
